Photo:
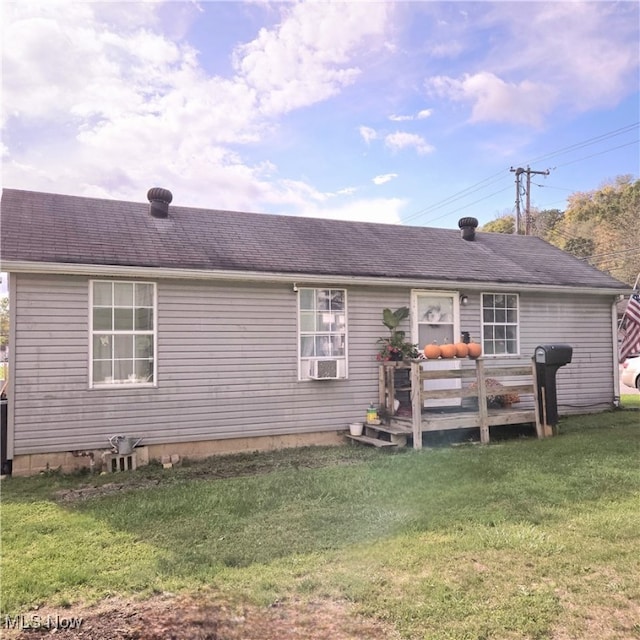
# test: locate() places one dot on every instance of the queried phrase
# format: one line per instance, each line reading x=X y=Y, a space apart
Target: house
x=205 y=331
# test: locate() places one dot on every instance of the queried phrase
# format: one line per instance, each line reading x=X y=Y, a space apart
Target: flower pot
x=355 y=428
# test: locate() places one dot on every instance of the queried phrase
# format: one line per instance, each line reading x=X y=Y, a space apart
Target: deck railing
x=473 y=384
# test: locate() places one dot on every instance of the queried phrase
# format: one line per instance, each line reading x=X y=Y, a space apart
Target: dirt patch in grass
x=212 y=468
x=169 y=617
x=194 y=618
x=619 y=619
x=109 y=489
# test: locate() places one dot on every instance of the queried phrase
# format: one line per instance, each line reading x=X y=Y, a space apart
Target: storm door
x=436 y=318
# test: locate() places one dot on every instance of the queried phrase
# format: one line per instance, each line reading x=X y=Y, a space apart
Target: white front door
x=436 y=318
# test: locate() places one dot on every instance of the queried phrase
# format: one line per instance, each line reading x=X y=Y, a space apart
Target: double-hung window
x=123 y=334
x=500 y=323
x=322 y=322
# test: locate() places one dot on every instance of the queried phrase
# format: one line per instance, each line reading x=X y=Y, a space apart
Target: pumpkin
x=432 y=351
x=462 y=349
x=448 y=350
x=475 y=350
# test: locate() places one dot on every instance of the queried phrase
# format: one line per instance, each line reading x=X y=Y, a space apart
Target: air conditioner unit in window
x=325 y=370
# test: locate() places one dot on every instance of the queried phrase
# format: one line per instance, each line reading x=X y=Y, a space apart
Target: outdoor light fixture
x=464 y=300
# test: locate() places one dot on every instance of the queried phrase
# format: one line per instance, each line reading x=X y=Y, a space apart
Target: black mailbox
x=559 y=354
x=549 y=358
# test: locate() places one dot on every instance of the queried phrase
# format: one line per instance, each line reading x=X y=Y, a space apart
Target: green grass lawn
x=520 y=539
x=630 y=401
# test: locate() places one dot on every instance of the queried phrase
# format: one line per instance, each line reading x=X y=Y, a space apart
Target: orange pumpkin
x=462 y=349
x=448 y=350
x=475 y=350
x=432 y=351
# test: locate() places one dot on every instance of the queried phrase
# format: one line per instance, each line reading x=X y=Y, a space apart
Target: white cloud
x=402 y=140
x=421 y=115
x=299 y=198
x=495 y=100
x=368 y=134
x=307 y=58
x=126 y=107
x=450 y=49
x=588 y=51
x=571 y=55
x=103 y=98
x=56 y=58
x=384 y=178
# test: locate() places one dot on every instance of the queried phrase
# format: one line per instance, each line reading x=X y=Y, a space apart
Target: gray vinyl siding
x=585 y=323
x=227 y=362
x=582 y=321
x=227 y=367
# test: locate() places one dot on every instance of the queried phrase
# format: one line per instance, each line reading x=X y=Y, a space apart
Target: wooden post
x=416 y=404
x=539 y=425
x=483 y=414
x=382 y=386
x=547 y=429
x=391 y=388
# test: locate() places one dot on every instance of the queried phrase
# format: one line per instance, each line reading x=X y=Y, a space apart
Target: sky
x=397 y=112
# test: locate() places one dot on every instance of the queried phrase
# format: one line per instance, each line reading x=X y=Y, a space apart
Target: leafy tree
x=580 y=247
x=601 y=226
x=502 y=224
x=609 y=217
x=545 y=223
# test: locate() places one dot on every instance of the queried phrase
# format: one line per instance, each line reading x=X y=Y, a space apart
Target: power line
x=566 y=164
x=497 y=177
x=609 y=264
x=466 y=206
x=612 y=253
x=589 y=141
x=548 y=186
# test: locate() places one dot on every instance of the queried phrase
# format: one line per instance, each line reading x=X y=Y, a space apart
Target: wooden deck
x=521 y=380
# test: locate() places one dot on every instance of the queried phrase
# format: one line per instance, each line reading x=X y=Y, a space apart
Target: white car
x=631 y=371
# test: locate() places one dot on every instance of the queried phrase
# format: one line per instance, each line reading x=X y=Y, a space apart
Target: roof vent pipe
x=160 y=200
x=468 y=227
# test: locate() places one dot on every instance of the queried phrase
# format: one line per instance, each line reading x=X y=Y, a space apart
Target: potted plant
x=395 y=346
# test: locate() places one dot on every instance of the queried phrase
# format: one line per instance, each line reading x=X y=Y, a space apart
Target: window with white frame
x=322 y=323
x=123 y=334
x=500 y=324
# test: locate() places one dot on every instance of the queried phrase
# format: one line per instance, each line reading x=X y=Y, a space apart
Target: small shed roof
x=55 y=228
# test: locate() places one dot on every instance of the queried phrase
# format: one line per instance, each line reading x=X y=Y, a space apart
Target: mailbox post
x=548 y=359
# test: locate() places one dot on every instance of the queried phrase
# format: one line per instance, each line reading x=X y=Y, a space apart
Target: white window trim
x=493 y=324
x=124 y=385
x=345 y=358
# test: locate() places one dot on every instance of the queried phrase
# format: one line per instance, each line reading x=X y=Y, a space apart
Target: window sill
x=502 y=355
x=101 y=386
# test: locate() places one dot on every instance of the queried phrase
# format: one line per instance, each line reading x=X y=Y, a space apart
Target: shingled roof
x=53 y=228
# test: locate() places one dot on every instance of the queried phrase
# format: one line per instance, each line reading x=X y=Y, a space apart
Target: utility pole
x=527 y=219
x=519 y=171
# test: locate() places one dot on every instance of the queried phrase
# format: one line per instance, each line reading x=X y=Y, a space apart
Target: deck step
x=393 y=429
x=376 y=442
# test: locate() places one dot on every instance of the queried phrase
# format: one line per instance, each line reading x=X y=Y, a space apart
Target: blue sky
x=399 y=112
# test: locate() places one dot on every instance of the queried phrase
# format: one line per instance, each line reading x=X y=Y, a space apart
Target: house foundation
x=74 y=461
